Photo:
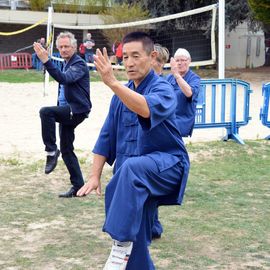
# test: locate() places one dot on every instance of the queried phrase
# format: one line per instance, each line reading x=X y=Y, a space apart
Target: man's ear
x=154 y=54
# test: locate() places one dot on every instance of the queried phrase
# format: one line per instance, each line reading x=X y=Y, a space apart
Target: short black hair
x=143 y=37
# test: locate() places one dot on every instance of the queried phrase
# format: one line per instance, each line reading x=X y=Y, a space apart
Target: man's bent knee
x=44 y=111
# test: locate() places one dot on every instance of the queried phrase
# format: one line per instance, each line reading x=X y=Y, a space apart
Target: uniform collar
x=144 y=83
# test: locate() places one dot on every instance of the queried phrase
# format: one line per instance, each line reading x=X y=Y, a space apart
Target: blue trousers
x=89 y=58
x=131 y=200
x=67 y=124
x=157 y=229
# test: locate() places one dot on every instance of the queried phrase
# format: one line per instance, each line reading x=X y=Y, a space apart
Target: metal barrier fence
x=15 y=61
x=224 y=104
x=265 y=112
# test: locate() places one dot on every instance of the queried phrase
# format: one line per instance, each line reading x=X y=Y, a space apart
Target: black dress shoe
x=51 y=162
x=69 y=194
x=156 y=236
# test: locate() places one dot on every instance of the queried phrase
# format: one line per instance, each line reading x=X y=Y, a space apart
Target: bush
x=38 y=5
x=73 y=6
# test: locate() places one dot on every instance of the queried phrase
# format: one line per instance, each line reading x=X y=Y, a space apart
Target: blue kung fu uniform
x=186 y=108
x=185 y=118
x=151 y=166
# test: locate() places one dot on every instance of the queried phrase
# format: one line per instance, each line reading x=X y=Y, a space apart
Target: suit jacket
x=75 y=78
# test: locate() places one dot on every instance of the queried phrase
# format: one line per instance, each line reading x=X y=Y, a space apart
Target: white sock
x=51 y=153
x=123 y=244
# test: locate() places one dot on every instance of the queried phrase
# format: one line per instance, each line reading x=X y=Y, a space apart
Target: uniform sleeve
x=194 y=83
x=106 y=142
x=161 y=101
x=73 y=74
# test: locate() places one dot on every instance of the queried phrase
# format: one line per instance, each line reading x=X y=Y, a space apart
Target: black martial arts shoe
x=51 y=162
x=69 y=194
x=156 y=236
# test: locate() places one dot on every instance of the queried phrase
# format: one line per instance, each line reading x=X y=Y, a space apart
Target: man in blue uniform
x=158 y=63
x=73 y=106
x=161 y=59
x=186 y=85
x=140 y=137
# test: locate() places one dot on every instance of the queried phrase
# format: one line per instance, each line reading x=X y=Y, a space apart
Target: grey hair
x=73 y=40
x=182 y=52
x=163 y=53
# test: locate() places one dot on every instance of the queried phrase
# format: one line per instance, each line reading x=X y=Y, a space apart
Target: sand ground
x=20 y=122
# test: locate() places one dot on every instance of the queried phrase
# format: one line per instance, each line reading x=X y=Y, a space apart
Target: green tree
x=121 y=13
x=237 y=11
x=261 y=11
x=38 y=5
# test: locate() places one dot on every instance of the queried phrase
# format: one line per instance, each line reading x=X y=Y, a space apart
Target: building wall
x=31 y=17
x=244 y=49
x=14 y=20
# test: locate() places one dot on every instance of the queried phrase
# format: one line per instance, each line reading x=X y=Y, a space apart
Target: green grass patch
x=21 y=76
x=223 y=223
x=32 y=75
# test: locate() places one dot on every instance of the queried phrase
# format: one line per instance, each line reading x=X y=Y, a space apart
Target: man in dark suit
x=73 y=106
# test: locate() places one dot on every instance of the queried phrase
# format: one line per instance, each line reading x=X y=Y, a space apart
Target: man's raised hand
x=41 y=52
x=104 y=67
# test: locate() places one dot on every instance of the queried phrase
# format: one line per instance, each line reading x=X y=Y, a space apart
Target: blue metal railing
x=224 y=104
x=265 y=112
x=37 y=64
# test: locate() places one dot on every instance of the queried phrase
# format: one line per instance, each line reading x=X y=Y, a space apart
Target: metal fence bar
x=15 y=61
x=264 y=112
x=221 y=88
x=223 y=103
x=213 y=102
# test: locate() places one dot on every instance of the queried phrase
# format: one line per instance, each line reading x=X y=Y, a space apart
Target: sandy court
x=20 y=122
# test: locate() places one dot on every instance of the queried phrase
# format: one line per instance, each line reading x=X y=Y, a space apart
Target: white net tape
x=209 y=8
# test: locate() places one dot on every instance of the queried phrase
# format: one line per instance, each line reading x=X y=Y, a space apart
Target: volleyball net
x=193 y=30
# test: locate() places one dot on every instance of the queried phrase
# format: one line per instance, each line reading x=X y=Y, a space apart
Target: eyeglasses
x=182 y=60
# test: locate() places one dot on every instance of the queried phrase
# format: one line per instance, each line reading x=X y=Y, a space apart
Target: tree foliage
x=237 y=11
x=121 y=13
x=261 y=11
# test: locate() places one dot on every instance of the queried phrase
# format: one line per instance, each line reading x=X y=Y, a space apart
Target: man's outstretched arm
x=94 y=178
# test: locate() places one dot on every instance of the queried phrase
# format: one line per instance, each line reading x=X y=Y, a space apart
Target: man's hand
x=174 y=68
x=104 y=67
x=92 y=184
x=41 y=52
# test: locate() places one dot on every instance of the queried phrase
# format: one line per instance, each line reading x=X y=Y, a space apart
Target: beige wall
x=31 y=17
x=244 y=49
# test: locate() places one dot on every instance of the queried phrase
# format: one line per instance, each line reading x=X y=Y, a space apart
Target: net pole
x=49 y=29
x=221 y=39
x=221 y=47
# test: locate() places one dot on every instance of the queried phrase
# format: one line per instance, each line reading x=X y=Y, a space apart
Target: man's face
x=65 y=48
x=183 y=63
x=136 y=61
x=42 y=41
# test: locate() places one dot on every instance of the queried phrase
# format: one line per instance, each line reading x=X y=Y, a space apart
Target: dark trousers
x=67 y=124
